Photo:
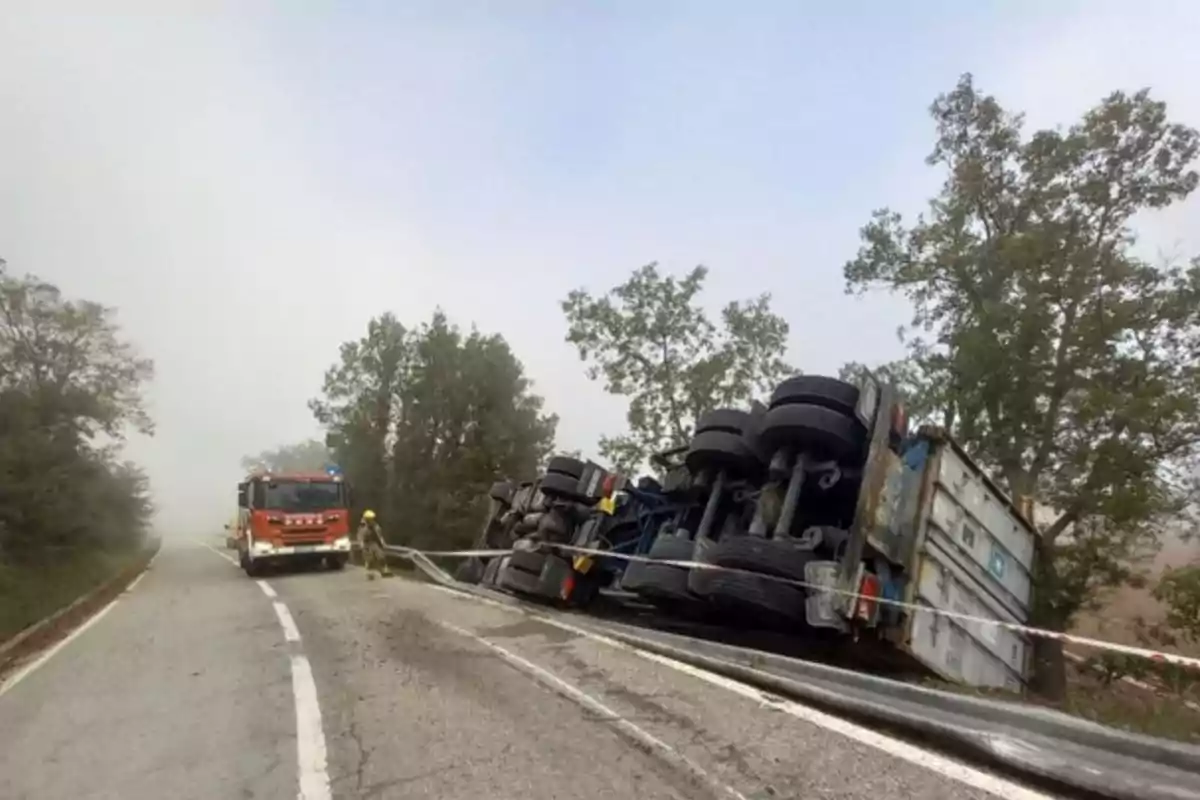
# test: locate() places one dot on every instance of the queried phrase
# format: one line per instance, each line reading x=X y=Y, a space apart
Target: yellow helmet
x=368 y=514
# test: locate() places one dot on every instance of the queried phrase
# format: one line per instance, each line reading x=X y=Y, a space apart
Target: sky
x=249 y=183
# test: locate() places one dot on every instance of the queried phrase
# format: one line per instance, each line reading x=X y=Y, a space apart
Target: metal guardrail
x=1038 y=744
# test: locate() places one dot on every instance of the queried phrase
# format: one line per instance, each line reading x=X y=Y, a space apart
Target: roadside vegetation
x=72 y=512
x=1059 y=353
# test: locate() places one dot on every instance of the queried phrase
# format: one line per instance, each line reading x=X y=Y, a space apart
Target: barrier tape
x=1153 y=655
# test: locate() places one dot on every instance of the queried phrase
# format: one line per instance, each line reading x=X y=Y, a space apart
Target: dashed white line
x=290 y=631
x=594 y=706
x=311 y=755
x=918 y=756
x=310 y=736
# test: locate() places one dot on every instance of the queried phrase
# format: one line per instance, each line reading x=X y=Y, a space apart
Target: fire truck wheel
x=817 y=390
x=815 y=429
x=565 y=465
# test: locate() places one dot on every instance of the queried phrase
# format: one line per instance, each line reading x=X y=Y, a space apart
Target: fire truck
x=293 y=517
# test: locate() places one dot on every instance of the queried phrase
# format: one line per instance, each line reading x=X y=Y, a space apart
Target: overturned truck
x=819 y=513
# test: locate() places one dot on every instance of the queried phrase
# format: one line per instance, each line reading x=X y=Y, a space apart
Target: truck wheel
x=490 y=572
x=565 y=465
x=469 y=571
x=337 y=563
x=518 y=580
x=660 y=582
x=554 y=483
x=817 y=390
x=755 y=596
x=814 y=428
x=717 y=449
x=785 y=558
x=530 y=561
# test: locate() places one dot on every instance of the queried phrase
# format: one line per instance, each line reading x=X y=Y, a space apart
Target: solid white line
x=225 y=556
x=290 y=631
x=267 y=589
x=594 y=706
x=34 y=665
x=918 y=756
x=310 y=737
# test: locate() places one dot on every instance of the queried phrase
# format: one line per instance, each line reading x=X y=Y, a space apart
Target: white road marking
x=311 y=755
x=34 y=665
x=225 y=556
x=918 y=756
x=290 y=631
x=310 y=736
x=601 y=711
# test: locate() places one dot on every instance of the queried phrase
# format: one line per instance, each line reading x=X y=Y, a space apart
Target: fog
x=250 y=188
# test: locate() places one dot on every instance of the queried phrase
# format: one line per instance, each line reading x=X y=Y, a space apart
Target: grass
x=32 y=592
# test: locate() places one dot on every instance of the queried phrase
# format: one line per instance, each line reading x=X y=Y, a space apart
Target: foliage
x=70 y=387
x=653 y=343
x=1179 y=590
x=307 y=456
x=424 y=420
x=1057 y=355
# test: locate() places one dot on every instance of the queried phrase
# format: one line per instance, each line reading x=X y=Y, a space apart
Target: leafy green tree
x=431 y=417
x=1057 y=355
x=1179 y=590
x=653 y=343
x=307 y=456
x=70 y=387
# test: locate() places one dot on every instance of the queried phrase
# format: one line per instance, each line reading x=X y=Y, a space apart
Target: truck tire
x=816 y=429
x=502 y=492
x=817 y=390
x=755 y=597
x=715 y=449
x=557 y=484
x=491 y=571
x=518 y=580
x=785 y=558
x=565 y=465
x=661 y=582
x=337 y=563
x=530 y=561
x=729 y=420
x=469 y=571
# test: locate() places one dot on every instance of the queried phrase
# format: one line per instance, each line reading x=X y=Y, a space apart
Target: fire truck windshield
x=302 y=496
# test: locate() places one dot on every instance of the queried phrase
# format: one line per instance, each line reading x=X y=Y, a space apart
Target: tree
x=430 y=417
x=1179 y=591
x=1059 y=357
x=653 y=343
x=307 y=456
x=70 y=387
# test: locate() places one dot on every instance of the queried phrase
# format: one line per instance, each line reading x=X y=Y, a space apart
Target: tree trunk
x=1049 y=678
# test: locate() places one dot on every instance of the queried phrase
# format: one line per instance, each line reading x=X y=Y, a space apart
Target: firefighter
x=370 y=542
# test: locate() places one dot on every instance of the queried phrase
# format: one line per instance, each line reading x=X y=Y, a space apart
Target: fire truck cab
x=294 y=517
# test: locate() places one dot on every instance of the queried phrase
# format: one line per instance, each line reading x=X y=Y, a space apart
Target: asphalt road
x=202 y=683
